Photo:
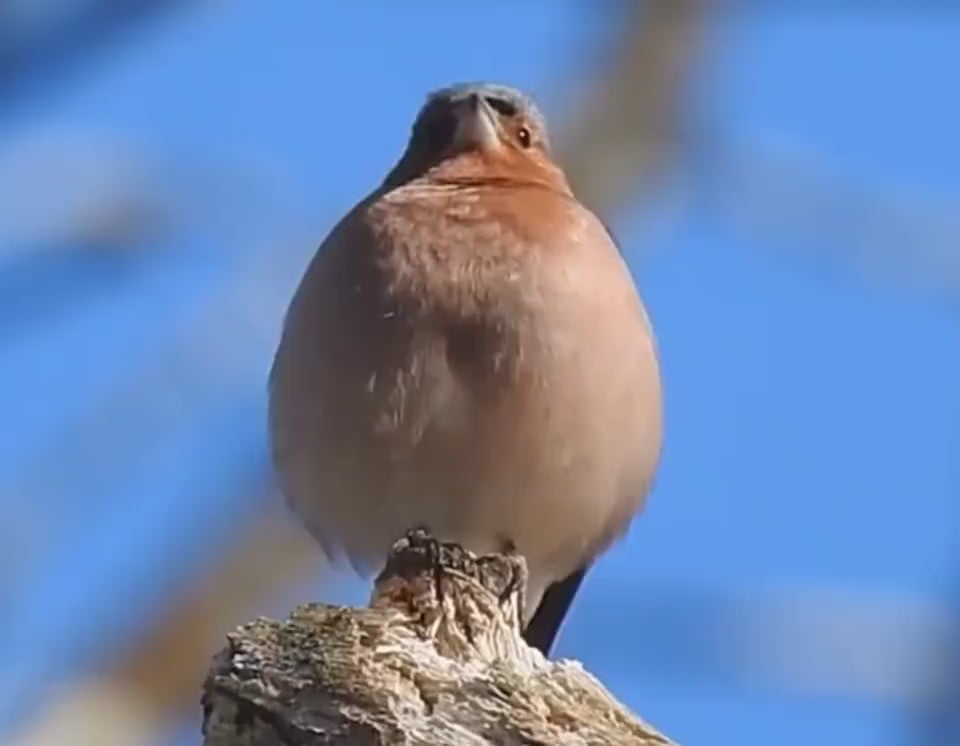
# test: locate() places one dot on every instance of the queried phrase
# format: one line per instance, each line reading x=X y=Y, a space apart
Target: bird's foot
x=437 y=562
x=516 y=584
x=420 y=537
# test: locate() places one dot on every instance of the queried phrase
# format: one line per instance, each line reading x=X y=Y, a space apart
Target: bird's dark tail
x=545 y=624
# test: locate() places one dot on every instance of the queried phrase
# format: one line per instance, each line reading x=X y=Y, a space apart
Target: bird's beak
x=476 y=124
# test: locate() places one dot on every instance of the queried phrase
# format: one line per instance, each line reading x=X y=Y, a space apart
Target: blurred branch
x=937 y=711
x=64 y=190
x=41 y=39
x=163 y=668
x=143 y=686
x=787 y=200
x=831 y=641
x=633 y=129
x=438 y=659
x=629 y=130
x=129 y=436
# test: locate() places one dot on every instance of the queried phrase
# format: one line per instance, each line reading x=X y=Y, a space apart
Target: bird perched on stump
x=467 y=353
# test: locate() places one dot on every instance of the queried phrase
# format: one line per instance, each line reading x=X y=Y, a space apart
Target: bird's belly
x=519 y=465
x=481 y=496
x=522 y=426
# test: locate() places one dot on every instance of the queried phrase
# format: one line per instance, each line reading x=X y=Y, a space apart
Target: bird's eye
x=524 y=137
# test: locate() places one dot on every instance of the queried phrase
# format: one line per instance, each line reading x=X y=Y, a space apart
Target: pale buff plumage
x=467 y=352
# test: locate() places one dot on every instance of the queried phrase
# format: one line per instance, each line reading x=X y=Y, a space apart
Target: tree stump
x=437 y=659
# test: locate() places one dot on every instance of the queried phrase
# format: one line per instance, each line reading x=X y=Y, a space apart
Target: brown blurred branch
x=437 y=659
x=632 y=119
x=163 y=668
x=629 y=131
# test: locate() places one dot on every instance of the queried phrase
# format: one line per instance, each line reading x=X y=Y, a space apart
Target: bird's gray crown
x=437 y=122
x=511 y=97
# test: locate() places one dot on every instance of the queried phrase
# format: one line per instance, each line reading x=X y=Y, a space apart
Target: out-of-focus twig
x=630 y=129
x=153 y=682
x=630 y=121
x=43 y=42
x=271 y=554
x=802 y=205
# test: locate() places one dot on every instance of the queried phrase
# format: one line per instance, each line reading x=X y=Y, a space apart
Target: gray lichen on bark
x=436 y=659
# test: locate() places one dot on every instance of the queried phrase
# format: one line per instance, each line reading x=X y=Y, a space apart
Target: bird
x=467 y=352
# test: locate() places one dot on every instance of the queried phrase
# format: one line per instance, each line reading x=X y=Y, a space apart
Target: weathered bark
x=437 y=659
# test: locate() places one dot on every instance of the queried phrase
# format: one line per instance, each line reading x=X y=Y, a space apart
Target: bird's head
x=476 y=131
